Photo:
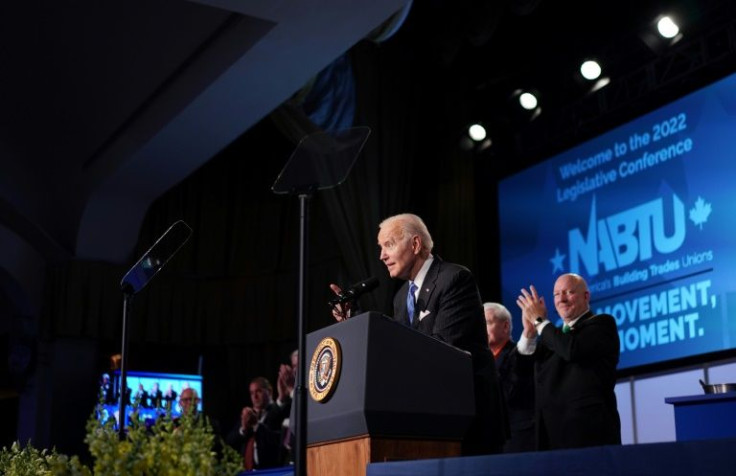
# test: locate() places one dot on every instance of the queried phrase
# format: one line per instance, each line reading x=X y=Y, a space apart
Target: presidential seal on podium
x=324 y=369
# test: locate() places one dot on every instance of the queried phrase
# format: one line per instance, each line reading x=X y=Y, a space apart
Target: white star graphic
x=556 y=261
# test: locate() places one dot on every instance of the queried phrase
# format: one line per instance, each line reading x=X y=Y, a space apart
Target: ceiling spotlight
x=590 y=70
x=667 y=27
x=661 y=33
x=476 y=139
x=477 y=132
x=528 y=101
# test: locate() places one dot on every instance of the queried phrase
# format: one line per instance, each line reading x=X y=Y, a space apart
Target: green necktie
x=565 y=329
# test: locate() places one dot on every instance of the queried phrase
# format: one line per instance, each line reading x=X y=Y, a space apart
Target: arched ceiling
x=106 y=105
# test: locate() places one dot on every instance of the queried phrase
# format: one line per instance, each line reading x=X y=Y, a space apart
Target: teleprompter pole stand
x=301 y=392
x=322 y=160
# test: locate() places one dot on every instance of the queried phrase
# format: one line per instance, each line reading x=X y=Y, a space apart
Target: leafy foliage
x=185 y=446
x=28 y=461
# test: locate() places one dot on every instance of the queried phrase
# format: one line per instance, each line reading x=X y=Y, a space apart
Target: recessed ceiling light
x=528 y=101
x=667 y=27
x=590 y=70
x=477 y=132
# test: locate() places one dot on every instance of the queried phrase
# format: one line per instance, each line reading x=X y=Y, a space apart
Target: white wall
x=645 y=416
x=722 y=373
x=625 y=411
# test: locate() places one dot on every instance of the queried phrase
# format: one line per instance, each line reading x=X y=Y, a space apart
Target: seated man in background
x=516 y=377
x=188 y=404
x=257 y=435
x=188 y=401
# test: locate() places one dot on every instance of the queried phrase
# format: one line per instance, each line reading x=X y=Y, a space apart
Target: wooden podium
x=391 y=394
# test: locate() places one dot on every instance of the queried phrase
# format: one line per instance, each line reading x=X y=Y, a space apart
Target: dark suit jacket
x=288 y=435
x=516 y=377
x=453 y=312
x=155 y=399
x=268 y=438
x=141 y=397
x=575 y=380
x=108 y=394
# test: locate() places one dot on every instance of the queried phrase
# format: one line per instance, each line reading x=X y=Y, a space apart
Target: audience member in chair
x=257 y=435
x=188 y=405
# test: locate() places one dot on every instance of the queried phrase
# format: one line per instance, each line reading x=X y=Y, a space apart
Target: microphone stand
x=127 y=298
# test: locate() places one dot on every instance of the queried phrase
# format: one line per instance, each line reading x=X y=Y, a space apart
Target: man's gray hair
x=410 y=225
x=500 y=312
x=195 y=395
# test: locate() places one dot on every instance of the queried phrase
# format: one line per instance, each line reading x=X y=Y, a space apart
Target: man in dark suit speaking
x=441 y=300
x=575 y=367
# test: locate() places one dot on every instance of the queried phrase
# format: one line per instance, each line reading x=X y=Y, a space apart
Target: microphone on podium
x=354 y=291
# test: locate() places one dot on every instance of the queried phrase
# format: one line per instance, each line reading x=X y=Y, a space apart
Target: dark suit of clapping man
x=257 y=435
x=448 y=307
x=575 y=367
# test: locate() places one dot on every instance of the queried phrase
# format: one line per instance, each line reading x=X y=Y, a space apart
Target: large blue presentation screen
x=646 y=213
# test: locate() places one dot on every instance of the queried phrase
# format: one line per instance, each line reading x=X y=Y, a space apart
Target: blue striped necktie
x=410 y=301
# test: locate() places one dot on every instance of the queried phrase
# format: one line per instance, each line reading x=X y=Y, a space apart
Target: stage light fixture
x=524 y=104
x=590 y=70
x=661 y=33
x=667 y=27
x=477 y=132
x=475 y=139
x=528 y=100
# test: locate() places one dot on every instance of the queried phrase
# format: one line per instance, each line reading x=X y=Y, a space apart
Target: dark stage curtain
x=226 y=303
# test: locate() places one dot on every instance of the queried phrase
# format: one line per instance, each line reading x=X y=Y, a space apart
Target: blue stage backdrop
x=647 y=214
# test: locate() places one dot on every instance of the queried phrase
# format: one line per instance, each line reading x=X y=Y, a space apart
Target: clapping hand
x=248 y=418
x=532 y=306
x=286 y=381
